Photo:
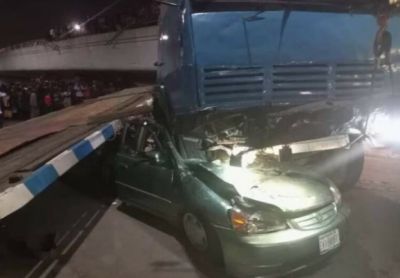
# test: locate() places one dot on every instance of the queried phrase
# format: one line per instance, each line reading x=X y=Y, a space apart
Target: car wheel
x=353 y=167
x=343 y=167
x=201 y=237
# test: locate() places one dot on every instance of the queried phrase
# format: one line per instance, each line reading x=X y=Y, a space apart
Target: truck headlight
x=258 y=222
x=384 y=128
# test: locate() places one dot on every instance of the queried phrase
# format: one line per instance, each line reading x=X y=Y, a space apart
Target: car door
x=145 y=173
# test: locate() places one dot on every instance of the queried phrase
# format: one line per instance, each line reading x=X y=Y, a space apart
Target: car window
x=154 y=144
x=131 y=138
x=151 y=141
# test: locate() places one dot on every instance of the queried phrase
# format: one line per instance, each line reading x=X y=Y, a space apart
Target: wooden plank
x=141 y=105
x=26 y=146
x=39 y=152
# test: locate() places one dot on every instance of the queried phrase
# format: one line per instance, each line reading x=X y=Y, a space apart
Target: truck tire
x=354 y=167
x=343 y=167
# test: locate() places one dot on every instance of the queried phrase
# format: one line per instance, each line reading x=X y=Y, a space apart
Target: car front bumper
x=276 y=253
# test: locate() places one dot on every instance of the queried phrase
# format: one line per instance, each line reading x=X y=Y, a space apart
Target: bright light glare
x=77 y=27
x=384 y=128
x=164 y=37
x=248 y=158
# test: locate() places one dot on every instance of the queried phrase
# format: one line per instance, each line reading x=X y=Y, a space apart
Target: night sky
x=22 y=20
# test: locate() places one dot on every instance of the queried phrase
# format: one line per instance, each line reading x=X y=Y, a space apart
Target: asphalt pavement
x=98 y=237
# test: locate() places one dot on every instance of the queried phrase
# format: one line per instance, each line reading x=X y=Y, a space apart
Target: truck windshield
x=279 y=37
x=365 y=6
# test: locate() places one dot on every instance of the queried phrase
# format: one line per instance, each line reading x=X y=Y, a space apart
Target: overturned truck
x=287 y=82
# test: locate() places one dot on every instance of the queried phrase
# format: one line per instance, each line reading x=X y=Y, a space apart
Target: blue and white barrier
x=18 y=196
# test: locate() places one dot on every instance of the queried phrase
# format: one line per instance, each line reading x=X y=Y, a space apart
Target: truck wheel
x=344 y=167
x=201 y=237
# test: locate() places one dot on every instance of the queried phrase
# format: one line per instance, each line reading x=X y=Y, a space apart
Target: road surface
x=100 y=238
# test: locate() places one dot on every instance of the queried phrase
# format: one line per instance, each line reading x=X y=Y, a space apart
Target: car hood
x=291 y=191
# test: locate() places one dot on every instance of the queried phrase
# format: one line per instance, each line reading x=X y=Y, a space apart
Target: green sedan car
x=255 y=222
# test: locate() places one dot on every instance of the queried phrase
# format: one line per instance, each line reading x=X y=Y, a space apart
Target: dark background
x=22 y=20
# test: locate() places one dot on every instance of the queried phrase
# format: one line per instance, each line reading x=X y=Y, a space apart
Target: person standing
x=40 y=93
x=34 y=105
x=2 y=97
x=48 y=103
x=7 y=109
x=18 y=104
x=25 y=105
x=66 y=95
x=78 y=93
x=52 y=34
x=87 y=93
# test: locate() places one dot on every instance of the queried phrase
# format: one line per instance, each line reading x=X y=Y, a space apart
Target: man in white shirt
x=2 y=96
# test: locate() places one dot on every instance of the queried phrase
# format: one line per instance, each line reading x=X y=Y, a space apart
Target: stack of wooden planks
x=30 y=144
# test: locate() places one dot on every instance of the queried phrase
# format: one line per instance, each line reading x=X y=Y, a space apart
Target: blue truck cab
x=265 y=73
x=232 y=55
x=276 y=81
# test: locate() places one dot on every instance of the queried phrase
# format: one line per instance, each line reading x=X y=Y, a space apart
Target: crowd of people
x=140 y=14
x=24 y=100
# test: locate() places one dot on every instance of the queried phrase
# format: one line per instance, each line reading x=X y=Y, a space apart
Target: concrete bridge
x=129 y=50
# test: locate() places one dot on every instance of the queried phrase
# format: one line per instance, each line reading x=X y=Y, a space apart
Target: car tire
x=354 y=167
x=201 y=237
x=344 y=167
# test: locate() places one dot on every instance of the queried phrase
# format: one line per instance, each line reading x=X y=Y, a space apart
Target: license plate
x=329 y=241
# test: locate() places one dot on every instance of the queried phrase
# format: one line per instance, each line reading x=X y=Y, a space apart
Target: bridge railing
x=43 y=41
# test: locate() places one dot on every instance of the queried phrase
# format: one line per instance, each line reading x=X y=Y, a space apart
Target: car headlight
x=336 y=194
x=257 y=222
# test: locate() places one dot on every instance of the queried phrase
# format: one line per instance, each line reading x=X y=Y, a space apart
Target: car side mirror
x=156 y=157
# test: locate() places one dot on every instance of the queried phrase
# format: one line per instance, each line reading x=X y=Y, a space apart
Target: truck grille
x=288 y=84
x=299 y=82
x=357 y=80
x=313 y=82
x=226 y=85
x=316 y=219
